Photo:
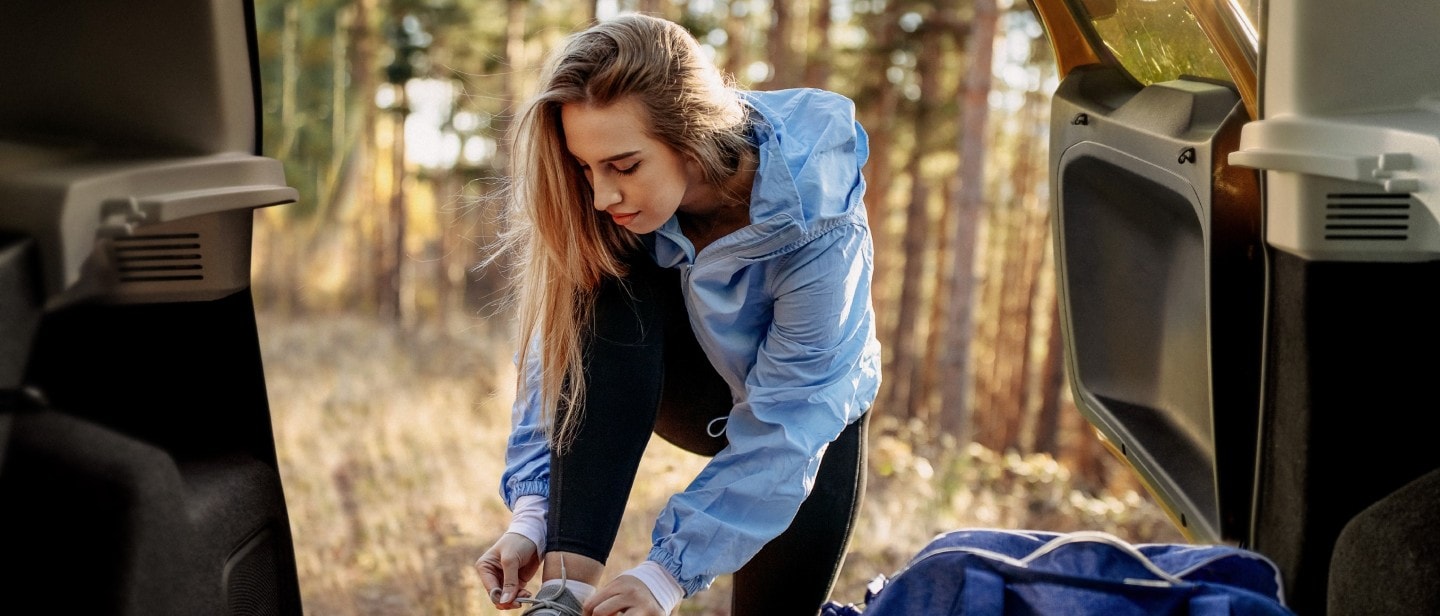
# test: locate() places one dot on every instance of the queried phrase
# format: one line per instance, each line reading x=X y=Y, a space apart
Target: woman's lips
x=624 y=219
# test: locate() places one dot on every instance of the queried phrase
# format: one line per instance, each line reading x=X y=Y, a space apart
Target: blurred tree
x=906 y=390
x=950 y=30
x=408 y=45
x=307 y=50
x=817 y=64
x=877 y=102
x=973 y=120
x=736 y=30
x=779 y=48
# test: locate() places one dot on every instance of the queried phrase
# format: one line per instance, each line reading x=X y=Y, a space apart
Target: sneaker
x=553 y=600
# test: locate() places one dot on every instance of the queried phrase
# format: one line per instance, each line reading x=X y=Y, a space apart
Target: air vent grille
x=173 y=257
x=1367 y=217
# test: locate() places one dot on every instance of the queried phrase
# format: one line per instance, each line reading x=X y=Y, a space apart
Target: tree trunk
x=929 y=369
x=1031 y=258
x=448 y=252
x=918 y=229
x=974 y=116
x=289 y=80
x=484 y=285
x=290 y=268
x=989 y=334
x=736 y=39
x=904 y=337
x=1037 y=285
x=817 y=62
x=363 y=73
x=877 y=102
x=395 y=261
x=516 y=13
x=1051 y=379
x=1026 y=257
x=782 y=54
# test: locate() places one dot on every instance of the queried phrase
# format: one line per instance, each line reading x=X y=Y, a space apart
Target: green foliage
x=307 y=103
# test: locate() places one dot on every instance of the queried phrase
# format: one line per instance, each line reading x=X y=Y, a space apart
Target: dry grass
x=391 y=448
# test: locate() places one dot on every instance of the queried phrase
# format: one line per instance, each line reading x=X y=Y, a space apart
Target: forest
x=387 y=345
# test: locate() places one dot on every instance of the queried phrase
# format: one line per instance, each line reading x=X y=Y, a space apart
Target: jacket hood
x=811 y=151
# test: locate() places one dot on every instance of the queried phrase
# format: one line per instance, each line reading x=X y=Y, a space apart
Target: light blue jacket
x=782 y=309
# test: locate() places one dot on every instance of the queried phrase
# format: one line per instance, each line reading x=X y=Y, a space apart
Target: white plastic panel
x=1350 y=130
x=78 y=207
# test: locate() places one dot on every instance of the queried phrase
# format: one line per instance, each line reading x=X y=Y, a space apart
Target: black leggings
x=645 y=372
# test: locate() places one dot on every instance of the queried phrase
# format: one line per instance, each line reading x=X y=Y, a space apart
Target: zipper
x=702 y=336
x=716 y=253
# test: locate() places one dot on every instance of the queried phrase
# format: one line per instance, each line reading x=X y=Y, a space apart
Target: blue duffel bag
x=985 y=572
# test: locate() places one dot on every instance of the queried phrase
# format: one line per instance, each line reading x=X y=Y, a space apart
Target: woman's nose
x=606 y=195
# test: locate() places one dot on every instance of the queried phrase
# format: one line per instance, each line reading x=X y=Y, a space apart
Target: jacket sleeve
x=817 y=370
x=527 y=451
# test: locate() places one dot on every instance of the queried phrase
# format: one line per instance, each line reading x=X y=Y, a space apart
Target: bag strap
x=1036 y=559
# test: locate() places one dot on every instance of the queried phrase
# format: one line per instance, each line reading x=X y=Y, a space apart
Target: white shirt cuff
x=528 y=519
x=666 y=589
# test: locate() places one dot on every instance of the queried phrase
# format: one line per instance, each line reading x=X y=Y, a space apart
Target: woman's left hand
x=626 y=595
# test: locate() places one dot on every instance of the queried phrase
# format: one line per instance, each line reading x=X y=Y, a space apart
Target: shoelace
x=560 y=608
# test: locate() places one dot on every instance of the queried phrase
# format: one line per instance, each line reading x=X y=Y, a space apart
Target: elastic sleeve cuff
x=514 y=490
x=667 y=561
x=528 y=519
x=667 y=591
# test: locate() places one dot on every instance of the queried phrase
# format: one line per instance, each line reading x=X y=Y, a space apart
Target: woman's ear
x=694 y=171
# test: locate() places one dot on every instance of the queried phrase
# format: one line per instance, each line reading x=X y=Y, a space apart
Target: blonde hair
x=563 y=246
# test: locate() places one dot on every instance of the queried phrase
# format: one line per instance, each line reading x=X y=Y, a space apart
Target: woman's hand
x=506 y=568
x=626 y=595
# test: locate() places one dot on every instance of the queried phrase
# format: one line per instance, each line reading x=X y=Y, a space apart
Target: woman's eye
x=628 y=170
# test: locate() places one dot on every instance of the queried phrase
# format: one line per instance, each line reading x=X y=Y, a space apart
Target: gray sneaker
x=554 y=600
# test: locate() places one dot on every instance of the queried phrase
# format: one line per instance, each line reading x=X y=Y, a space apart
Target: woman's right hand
x=506 y=568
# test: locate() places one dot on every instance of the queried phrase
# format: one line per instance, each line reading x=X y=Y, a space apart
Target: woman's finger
x=488 y=578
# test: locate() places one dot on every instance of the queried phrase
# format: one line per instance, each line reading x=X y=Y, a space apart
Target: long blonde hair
x=563 y=247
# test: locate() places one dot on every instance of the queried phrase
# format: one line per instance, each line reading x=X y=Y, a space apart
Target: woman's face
x=639 y=181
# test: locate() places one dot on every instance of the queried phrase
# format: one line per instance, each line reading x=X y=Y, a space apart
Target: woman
x=693 y=260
